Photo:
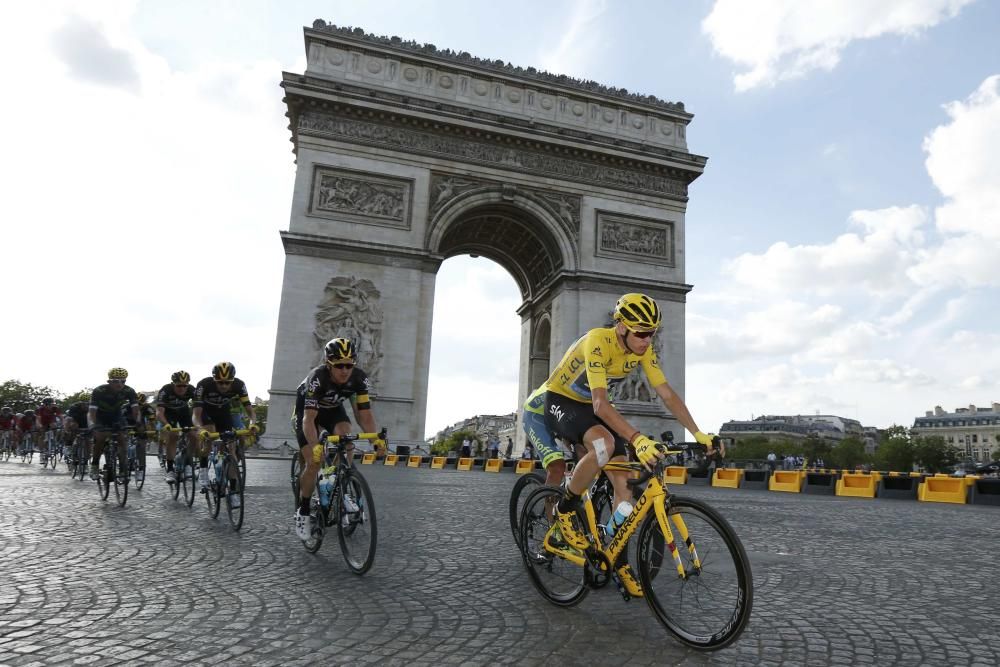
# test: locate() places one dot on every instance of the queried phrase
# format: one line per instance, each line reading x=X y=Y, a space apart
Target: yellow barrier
x=857 y=485
x=368 y=458
x=493 y=465
x=789 y=481
x=438 y=462
x=524 y=465
x=943 y=490
x=465 y=464
x=728 y=478
x=676 y=475
x=414 y=461
x=391 y=459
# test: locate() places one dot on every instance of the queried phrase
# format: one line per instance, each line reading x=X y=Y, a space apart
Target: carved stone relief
x=528 y=161
x=650 y=240
x=563 y=207
x=352 y=308
x=360 y=197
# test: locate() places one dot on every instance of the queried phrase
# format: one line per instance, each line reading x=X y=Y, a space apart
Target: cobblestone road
x=837 y=581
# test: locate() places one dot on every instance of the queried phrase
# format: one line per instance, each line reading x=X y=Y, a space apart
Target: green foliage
x=752 y=447
x=934 y=454
x=453 y=443
x=22 y=396
x=82 y=395
x=260 y=410
x=815 y=447
x=895 y=450
x=848 y=453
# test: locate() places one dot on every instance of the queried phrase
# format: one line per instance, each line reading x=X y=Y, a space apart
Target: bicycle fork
x=671 y=542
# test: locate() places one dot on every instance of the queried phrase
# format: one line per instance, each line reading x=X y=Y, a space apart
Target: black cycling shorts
x=181 y=419
x=221 y=420
x=571 y=419
x=325 y=419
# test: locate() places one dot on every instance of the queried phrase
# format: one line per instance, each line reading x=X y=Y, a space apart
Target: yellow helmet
x=224 y=371
x=118 y=374
x=638 y=312
x=180 y=377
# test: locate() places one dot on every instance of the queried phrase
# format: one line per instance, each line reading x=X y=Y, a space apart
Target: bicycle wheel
x=558 y=580
x=356 y=527
x=121 y=484
x=140 y=480
x=523 y=487
x=103 y=477
x=232 y=491
x=187 y=480
x=53 y=457
x=212 y=491
x=296 y=471
x=709 y=607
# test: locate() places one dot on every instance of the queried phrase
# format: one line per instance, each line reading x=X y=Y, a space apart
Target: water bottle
x=618 y=518
x=326 y=481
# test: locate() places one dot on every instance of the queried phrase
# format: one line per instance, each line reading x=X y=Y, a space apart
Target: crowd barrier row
x=922 y=487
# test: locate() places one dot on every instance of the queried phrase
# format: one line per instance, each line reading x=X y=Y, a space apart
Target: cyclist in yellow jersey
x=577 y=407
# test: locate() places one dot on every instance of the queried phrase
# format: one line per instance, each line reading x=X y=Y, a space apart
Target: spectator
x=716 y=454
x=466 y=448
x=510 y=447
x=529 y=451
x=771 y=461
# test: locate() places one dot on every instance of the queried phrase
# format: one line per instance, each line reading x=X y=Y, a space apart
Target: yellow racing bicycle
x=691 y=567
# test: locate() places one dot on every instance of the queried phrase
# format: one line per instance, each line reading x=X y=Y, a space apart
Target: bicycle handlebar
x=235 y=433
x=351 y=437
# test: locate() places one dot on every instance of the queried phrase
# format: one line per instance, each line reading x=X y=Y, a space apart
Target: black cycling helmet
x=224 y=371
x=29 y=413
x=339 y=349
x=47 y=401
x=6 y=410
x=117 y=373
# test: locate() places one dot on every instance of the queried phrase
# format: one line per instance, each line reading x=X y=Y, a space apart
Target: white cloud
x=142 y=208
x=778 y=40
x=889 y=242
x=567 y=55
x=880 y=319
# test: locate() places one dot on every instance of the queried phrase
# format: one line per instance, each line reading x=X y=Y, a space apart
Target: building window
x=974 y=438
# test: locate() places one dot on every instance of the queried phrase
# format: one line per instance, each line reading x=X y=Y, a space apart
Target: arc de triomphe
x=407 y=155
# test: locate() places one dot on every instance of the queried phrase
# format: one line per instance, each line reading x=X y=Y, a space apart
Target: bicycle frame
x=651 y=498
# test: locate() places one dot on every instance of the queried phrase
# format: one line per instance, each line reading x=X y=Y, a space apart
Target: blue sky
x=844 y=241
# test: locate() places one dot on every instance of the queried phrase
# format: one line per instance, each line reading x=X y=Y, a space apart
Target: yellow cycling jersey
x=597 y=361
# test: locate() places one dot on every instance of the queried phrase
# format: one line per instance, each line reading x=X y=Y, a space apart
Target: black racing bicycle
x=343 y=499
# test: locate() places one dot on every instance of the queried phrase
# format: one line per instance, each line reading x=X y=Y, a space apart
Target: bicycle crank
x=597 y=572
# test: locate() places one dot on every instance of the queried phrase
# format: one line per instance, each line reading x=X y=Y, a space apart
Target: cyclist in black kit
x=319 y=405
x=211 y=408
x=109 y=405
x=173 y=408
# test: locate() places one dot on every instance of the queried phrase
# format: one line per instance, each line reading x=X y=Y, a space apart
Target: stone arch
x=511 y=228
x=540 y=350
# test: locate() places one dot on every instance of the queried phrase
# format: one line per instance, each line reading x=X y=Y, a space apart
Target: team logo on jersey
x=596 y=352
x=556 y=412
x=368 y=383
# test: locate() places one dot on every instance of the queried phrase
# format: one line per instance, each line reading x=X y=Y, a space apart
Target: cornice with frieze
x=437 y=142
x=305 y=84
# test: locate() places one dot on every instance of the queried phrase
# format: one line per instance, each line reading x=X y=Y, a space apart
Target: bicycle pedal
x=621 y=587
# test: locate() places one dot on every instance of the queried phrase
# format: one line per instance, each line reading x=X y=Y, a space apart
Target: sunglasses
x=643 y=334
x=223 y=383
x=116 y=381
x=181 y=386
x=341 y=367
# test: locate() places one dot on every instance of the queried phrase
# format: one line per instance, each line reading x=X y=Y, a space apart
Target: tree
x=815 y=447
x=752 y=447
x=452 y=443
x=82 y=395
x=934 y=454
x=848 y=453
x=895 y=450
x=260 y=411
x=22 y=396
